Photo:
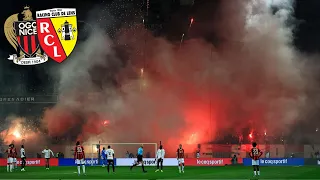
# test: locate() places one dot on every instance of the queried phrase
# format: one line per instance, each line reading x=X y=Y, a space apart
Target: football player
x=160 y=156
x=110 y=158
x=23 y=158
x=47 y=155
x=79 y=156
x=255 y=155
x=180 y=158
x=9 y=152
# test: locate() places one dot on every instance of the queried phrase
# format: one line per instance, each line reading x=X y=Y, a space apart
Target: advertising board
x=174 y=161
x=209 y=161
x=32 y=162
x=276 y=161
x=72 y=162
x=147 y=161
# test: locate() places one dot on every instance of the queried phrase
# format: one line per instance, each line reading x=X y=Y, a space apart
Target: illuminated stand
x=96 y=149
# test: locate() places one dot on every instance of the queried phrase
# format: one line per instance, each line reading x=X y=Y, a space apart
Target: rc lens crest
x=57 y=31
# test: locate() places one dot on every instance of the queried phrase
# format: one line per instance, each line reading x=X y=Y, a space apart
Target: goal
x=122 y=150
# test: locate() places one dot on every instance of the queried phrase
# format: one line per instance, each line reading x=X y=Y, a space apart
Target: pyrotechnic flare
x=181 y=41
x=191 y=22
x=182 y=37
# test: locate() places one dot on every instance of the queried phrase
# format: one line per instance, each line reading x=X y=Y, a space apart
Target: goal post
x=121 y=150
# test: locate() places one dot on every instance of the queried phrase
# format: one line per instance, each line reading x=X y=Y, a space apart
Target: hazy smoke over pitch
x=251 y=78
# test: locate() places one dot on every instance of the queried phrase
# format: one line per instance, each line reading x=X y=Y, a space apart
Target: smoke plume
x=138 y=88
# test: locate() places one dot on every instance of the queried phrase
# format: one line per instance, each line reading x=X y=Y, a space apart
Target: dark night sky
x=307 y=36
x=307 y=11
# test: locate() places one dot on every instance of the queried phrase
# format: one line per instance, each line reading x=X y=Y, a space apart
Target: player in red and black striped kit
x=10 y=153
x=79 y=156
x=15 y=154
x=255 y=155
x=180 y=158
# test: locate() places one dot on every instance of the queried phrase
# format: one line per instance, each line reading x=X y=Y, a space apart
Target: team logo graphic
x=57 y=32
x=22 y=35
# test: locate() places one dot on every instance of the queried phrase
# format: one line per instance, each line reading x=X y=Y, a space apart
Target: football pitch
x=227 y=172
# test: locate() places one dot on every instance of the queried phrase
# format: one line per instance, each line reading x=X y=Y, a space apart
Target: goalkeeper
x=160 y=156
x=103 y=156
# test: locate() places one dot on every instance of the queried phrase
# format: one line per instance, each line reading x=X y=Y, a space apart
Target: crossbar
x=126 y=143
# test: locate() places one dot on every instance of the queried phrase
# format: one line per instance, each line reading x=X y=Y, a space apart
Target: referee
x=139 y=159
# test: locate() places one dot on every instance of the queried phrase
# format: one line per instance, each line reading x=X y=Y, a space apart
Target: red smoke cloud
x=59 y=121
x=186 y=95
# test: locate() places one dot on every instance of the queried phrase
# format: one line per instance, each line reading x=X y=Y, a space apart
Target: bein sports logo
x=277 y=161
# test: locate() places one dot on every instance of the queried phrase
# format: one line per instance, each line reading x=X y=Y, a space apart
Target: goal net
x=122 y=150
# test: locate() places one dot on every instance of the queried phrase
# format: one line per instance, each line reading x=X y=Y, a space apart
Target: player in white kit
x=160 y=157
x=110 y=158
x=47 y=155
x=23 y=158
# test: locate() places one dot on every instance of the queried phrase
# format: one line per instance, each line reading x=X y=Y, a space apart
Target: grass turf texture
x=227 y=172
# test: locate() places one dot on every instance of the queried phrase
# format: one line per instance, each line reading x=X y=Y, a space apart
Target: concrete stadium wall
x=310 y=150
x=275 y=150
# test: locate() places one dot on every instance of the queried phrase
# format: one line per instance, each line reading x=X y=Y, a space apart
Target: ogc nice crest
x=53 y=34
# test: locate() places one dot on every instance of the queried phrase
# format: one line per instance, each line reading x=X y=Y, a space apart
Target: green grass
x=228 y=172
